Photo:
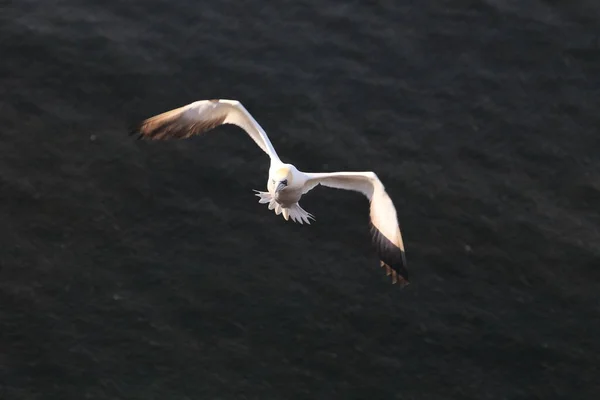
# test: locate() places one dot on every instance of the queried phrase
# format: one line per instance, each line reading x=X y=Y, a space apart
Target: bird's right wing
x=384 y=224
x=202 y=116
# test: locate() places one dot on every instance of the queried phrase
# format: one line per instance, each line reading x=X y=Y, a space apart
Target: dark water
x=137 y=270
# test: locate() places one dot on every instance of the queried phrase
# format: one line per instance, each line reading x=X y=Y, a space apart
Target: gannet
x=286 y=184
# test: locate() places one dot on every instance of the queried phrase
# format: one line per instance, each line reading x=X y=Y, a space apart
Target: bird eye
x=284 y=181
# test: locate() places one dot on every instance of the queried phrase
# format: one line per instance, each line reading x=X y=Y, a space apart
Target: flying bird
x=286 y=184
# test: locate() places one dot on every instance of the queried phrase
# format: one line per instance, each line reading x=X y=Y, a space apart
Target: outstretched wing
x=201 y=116
x=384 y=224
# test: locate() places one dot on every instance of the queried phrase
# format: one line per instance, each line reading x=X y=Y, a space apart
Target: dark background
x=148 y=270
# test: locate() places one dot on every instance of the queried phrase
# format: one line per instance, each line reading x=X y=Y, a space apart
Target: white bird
x=286 y=184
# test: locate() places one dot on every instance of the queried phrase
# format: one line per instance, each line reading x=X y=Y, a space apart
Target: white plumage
x=286 y=184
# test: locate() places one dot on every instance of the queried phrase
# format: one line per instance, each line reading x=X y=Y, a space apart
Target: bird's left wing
x=384 y=224
x=201 y=116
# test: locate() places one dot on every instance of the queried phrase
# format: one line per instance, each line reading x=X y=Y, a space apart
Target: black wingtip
x=392 y=257
x=136 y=131
x=401 y=278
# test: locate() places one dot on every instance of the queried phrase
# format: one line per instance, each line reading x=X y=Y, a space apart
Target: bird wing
x=384 y=224
x=202 y=116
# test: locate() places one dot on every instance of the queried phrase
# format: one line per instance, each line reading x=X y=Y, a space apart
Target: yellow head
x=282 y=178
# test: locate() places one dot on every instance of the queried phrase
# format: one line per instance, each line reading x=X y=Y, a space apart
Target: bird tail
x=297 y=213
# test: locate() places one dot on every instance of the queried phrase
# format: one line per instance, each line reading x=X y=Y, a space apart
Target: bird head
x=281 y=178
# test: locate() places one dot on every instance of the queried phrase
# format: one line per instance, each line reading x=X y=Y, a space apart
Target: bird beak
x=279 y=187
